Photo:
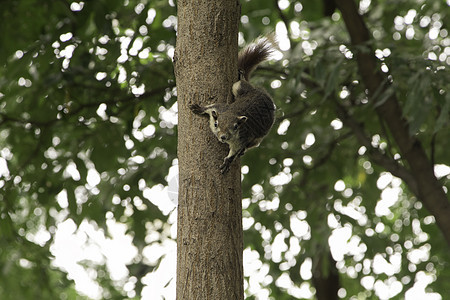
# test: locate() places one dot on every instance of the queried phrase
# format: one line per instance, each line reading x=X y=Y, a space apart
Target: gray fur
x=244 y=123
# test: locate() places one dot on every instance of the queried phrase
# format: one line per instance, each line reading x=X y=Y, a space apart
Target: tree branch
x=4 y=118
x=284 y=19
x=430 y=191
x=374 y=153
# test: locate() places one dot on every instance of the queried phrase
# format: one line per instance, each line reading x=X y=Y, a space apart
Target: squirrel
x=244 y=123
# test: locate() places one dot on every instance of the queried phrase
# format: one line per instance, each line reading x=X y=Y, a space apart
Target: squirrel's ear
x=214 y=114
x=241 y=119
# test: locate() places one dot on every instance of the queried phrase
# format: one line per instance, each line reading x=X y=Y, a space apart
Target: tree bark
x=209 y=229
x=429 y=189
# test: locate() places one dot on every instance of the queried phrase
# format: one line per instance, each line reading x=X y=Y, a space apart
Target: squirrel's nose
x=223 y=137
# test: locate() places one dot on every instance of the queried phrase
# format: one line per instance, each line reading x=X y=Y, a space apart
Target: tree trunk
x=325 y=277
x=210 y=246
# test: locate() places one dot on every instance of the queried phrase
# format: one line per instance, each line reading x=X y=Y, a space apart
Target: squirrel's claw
x=196 y=109
x=225 y=167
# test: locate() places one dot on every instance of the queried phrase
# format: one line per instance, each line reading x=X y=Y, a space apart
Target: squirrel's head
x=226 y=125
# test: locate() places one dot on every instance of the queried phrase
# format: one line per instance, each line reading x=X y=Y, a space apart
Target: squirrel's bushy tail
x=254 y=54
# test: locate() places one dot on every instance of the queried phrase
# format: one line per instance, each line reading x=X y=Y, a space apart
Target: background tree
x=332 y=197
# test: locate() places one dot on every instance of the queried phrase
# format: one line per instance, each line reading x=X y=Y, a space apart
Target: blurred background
x=88 y=161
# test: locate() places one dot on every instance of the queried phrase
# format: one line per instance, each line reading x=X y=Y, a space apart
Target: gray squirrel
x=243 y=123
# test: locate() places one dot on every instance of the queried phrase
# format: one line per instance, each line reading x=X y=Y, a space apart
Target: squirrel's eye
x=235 y=126
x=216 y=124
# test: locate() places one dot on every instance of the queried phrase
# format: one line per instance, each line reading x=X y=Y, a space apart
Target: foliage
x=87 y=101
x=84 y=98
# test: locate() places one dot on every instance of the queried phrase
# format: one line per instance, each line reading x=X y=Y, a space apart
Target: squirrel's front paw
x=196 y=109
x=225 y=167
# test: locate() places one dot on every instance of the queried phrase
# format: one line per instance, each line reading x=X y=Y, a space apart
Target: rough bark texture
x=210 y=246
x=429 y=190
